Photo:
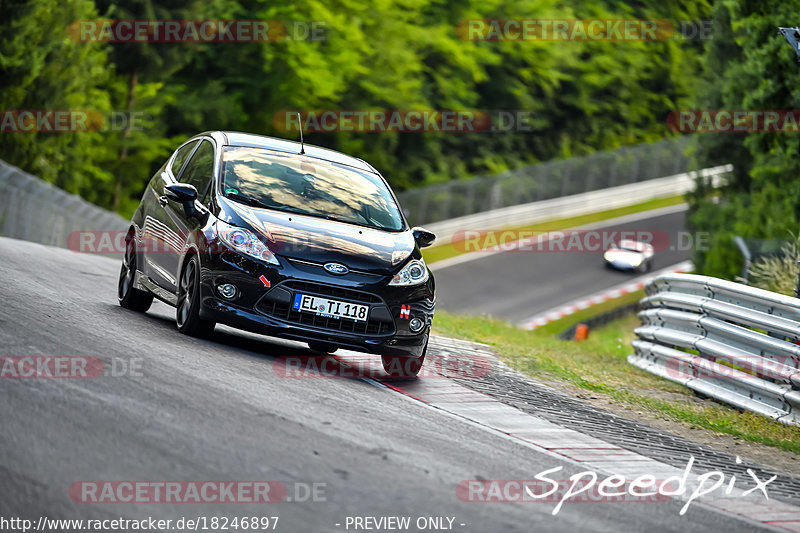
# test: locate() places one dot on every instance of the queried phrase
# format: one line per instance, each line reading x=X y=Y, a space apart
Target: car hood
x=321 y=241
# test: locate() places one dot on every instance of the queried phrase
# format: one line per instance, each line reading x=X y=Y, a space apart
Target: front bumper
x=623 y=265
x=268 y=309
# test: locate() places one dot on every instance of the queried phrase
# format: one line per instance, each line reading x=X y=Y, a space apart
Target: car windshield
x=299 y=184
x=633 y=246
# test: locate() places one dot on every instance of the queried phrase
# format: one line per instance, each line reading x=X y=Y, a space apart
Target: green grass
x=599 y=365
x=451 y=249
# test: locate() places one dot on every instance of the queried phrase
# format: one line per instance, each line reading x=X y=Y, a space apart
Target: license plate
x=330 y=308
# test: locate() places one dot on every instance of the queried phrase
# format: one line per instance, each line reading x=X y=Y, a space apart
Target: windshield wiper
x=337 y=219
x=362 y=224
x=252 y=202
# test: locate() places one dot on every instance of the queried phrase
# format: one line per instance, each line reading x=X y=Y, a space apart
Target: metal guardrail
x=34 y=210
x=547 y=180
x=724 y=340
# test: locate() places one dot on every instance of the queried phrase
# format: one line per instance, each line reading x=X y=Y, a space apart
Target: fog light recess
x=227 y=290
x=416 y=325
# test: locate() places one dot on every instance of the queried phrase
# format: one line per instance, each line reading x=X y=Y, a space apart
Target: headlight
x=414 y=273
x=246 y=242
x=636 y=260
x=610 y=256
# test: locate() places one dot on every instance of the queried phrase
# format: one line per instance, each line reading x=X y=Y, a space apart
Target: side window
x=200 y=169
x=180 y=156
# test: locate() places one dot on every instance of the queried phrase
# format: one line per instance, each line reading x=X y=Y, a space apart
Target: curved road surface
x=519 y=284
x=217 y=410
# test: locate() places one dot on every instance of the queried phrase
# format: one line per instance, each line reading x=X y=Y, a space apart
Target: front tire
x=187 y=315
x=128 y=295
x=399 y=366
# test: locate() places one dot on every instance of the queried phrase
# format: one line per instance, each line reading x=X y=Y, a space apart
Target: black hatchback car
x=284 y=239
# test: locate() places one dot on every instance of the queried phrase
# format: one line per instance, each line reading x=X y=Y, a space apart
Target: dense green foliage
x=384 y=54
x=749 y=65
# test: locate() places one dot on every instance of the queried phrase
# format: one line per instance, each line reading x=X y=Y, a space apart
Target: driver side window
x=180 y=157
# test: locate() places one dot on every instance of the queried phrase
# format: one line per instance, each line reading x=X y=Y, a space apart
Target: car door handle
x=163 y=200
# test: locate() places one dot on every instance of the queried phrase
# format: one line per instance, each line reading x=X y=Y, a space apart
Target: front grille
x=282 y=310
x=339 y=293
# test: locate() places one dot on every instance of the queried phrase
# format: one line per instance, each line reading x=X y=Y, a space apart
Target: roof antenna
x=300 y=125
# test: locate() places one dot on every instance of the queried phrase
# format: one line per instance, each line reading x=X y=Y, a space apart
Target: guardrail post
x=565 y=175
x=496 y=195
x=797 y=288
x=747 y=257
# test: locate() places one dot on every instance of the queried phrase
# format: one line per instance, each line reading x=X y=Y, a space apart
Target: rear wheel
x=187 y=315
x=129 y=296
x=399 y=366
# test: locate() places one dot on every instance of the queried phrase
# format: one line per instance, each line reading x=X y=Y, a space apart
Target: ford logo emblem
x=336 y=268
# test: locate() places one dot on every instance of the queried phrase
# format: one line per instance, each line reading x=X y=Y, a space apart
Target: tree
x=748 y=66
x=41 y=69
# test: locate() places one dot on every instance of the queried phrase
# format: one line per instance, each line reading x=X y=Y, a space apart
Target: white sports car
x=630 y=255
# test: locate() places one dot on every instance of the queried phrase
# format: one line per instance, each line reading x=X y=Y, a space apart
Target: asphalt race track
x=516 y=285
x=217 y=410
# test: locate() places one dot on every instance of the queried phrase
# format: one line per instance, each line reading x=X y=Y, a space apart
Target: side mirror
x=423 y=237
x=186 y=194
x=181 y=192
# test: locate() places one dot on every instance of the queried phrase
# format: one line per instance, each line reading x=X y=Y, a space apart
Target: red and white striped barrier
x=609 y=294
